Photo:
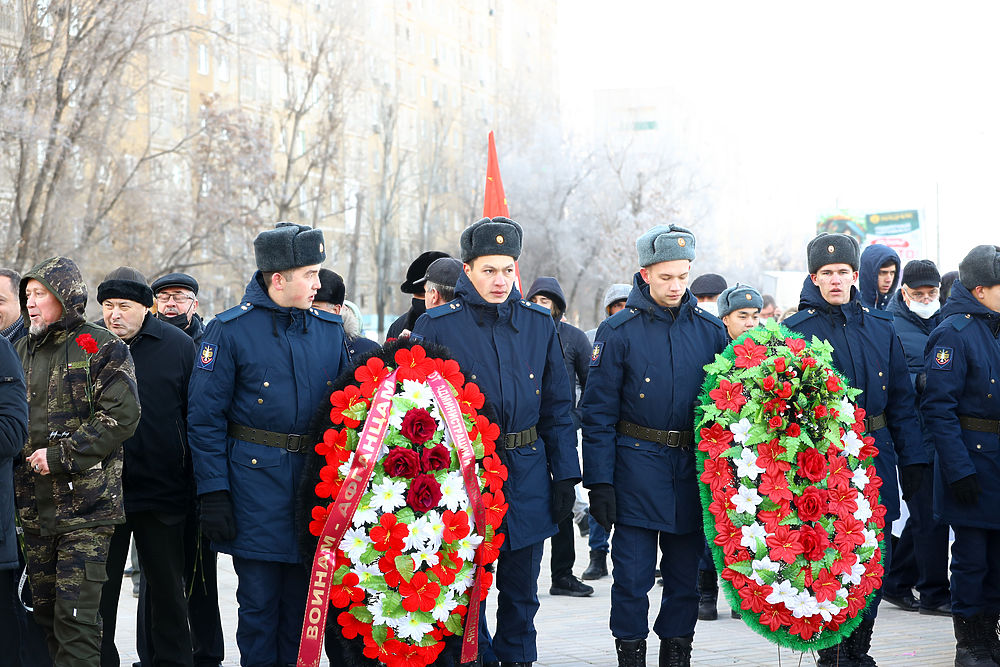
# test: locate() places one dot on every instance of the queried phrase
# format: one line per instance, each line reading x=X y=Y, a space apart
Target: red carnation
x=418 y=426
x=812 y=464
x=793 y=430
x=87 y=343
x=424 y=493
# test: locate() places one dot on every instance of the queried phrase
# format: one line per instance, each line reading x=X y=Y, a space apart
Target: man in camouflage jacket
x=82 y=404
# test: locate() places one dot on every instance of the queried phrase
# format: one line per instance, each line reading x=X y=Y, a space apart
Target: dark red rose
x=812 y=465
x=815 y=541
x=820 y=411
x=811 y=505
x=769 y=383
x=435 y=458
x=779 y=364
x=402 y=462
x=775 y=422
x=793 y=430
x=87 y=343
x=418 y=426
x=424 y=493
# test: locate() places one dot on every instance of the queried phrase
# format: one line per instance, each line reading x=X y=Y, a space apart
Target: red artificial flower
x=815 y=541
x=87 y=343
x=858 y=428
x=487 y=430
x=319 y=514
x=796 y=345
x=843 y=563
x=780 y=364
x=749 y=355
x=721 y=504
x=832 y=382
x=329 y=484
x=389 y=534
x=387 y=565
x=767 y=452
x=345 y=593
x=419 y=592
x=842 y=500
x=825 y=586
x=820 y=411
x=812 y=464
x=413 y=364
x=868 y=450
x=811 y=504
x=776 y=405
x=717 y=474
x=753 y=596
x=352 y=627
x=488 y=552
x=785 y=544
x=418 y=426
x=874 y=481
x=785 y=391
x=840 y=473
x=435 y=458
x=333 y=446
x=424 y=493
x=343 y=401
x=769 y=382
x=728 y=396
x=878 y=515
x=775 y=616
x=470 y=399
x=456 y=525
x=402 y=462
x=775 y=422
x=494 y=472
x=856 y=600
x=848 y=533
x=806 y=626
x=739 y=581
x=496 y=507
x=443 y=575
x=728 y=537
x=715 y=440
x=808 y=362
x=775 y=486
x=370 y=375
x=793 y=430
x=449 y=370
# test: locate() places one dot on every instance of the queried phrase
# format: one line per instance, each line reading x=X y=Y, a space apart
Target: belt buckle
x=510 y=441
x=673 y=438
x=297 y=439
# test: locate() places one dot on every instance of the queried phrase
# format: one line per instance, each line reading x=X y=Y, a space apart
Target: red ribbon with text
x=339 y=520
x=450 y=410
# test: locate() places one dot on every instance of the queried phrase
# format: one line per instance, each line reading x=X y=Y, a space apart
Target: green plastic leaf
x=370 y=555
x=405 y=515
x=767 y=576
x=392 y=605
x=404 y=564
x=772 y=325
x=454 y=624
x=338 y=575
x=361 y=613
x=742 y=566
x=380 y=633
x=790 y=520
x=719 y=366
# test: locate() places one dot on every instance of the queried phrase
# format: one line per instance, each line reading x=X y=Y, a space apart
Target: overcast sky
x=796 y=110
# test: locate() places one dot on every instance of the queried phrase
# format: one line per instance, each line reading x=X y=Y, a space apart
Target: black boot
x=835 y=656
x=570 y=585
x=598 y=566
x=860 y=642
x=708 y=596
x=992 y=638
x=972 y=641
x=631 y=652
x=676 y=651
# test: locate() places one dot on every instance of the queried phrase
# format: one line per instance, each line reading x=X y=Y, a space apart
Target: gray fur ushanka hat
x=288 y=246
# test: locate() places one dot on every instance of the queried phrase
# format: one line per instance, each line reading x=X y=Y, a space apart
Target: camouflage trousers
x=67 y=573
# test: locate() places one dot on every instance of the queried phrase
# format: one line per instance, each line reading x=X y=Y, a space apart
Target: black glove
x=911 y=478
x=217 y=521
x=966 y=490
x=602 y=505
x=563 y=497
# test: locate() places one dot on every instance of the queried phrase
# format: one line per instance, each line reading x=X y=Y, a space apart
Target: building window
x=222 y=67
x=203 y=59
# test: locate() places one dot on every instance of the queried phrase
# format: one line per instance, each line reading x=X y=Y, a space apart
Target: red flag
x=494 y=200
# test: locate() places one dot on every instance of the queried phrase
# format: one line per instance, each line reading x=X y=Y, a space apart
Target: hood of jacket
x=872 y=259
x=961 y=302
x=549 y=286
x=901 y=311
x=62 y=277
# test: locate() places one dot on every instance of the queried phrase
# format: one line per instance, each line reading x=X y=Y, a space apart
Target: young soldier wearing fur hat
x=867 y=352
x=509 y=347
x=263 y=368
x=961 y=407
x=646 y=369
x=739 y=309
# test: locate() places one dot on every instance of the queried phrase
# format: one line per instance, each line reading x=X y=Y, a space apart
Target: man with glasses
x=177 y=302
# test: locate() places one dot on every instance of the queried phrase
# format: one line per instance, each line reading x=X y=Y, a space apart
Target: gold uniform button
x=993 y=381
x=531 y=375
x=260 y=400
x=499 y=239
x=537 y=392
x=979 y=446
x=473 y=377
x=329 y=383
x=268 y=384
x=883 y=387
x=989 y=395
x=879 y=374
x=253 y=461
x=642 y=396
x=647 y=379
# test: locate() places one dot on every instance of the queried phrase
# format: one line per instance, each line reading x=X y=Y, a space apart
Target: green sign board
x=892 y=224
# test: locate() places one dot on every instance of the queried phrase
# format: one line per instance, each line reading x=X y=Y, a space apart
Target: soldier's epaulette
x=881 y=314
x=705 y=315
x=800 y=316
x=234 y=312
x=444 y=309
x=326 y=316
x=959 y=322
x=531 y=305
x=621 y=317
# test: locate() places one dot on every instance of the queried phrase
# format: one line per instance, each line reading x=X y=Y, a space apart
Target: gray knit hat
x=980 y=267
x=833 y=249
x=617 y=292
x=125 y=283
x=921 y=273
x=491 y=236
x=739 y=296
x=288 y=246
x=664 y=243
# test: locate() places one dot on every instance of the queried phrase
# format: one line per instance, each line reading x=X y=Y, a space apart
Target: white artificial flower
x=367 y=574
x=864 y=511
x=871 y=539
x=443 y=609
x=345 y=467
x=453 y=494
x=415 y=539
x=417 y=392
x=388 y=495
x=365 y=515
x=467 y=546
x=852 y=444
x=746 y=500
x=741 y=430
x=413 y=628
x=751 y=534
x=846 y=409
x=433 y=530
x=462 y=581
x=860 y=477
x=802 y=605
x=746 y=465
x=428 y=556
x=355 y=542
x=781 y=593
x=378 y=613
x=764 y=564
x=854 y=576
x=827 y=609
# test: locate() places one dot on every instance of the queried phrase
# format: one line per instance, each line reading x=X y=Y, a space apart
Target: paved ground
x=574 y=631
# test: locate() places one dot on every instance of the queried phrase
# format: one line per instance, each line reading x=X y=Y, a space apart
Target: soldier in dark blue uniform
x=509 y=348
x=646 y=369
x=262 y=370
x=961 y=407
x=868 y=354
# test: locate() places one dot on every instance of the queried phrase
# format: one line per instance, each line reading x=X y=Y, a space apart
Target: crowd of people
x=150 y=425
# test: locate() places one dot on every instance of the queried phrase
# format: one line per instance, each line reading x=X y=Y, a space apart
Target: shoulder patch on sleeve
x=621 y=317
x=943 y=357
x=530 y=305
x=444 y=309
x=595 y=353
x=234 y=312
x=206 y=356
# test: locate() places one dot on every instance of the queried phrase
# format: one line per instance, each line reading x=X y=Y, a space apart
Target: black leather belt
x=981 y=425
x=873 y=424
x=682 y=439
x=288 y=441
x=520 y=439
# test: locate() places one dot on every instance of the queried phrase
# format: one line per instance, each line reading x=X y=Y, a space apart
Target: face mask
x=180 y=320
x=924 y=310
x=710 y=307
